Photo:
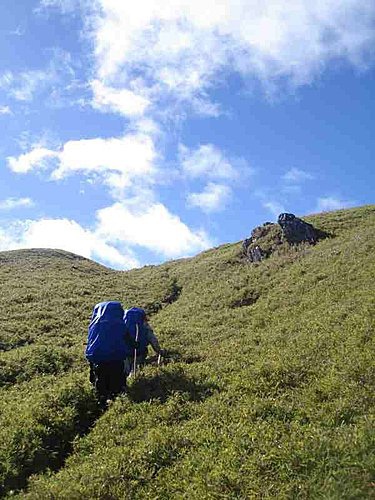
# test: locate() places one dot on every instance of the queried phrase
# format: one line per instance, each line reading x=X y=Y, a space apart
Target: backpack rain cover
x=133 y=317
x=106 y=336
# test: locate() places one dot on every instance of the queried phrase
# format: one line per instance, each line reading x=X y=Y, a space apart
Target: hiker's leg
x=108 y=375
x=123 y=377
x=117 y=382
x=128 y=366
x=92 y=374
x=100 y=380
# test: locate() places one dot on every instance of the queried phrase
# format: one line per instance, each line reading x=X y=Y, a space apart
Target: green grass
x=269 y=392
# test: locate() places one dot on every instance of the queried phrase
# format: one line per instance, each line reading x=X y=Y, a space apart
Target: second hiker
x=139 y=330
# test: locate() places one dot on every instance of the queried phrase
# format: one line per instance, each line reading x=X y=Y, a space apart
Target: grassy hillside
x=270 y=392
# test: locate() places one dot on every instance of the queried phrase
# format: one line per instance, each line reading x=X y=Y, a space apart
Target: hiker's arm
x=152 y=338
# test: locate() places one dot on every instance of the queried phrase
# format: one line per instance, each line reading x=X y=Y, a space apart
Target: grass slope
x=270 y=392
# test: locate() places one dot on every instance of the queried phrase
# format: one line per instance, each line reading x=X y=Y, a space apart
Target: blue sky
x=137 y=132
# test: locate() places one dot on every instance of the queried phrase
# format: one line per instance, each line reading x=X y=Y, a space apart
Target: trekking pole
x=161 y=357
x=135 y=350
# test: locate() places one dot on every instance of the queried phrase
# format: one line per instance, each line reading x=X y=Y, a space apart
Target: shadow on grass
x=322 y=235
x=8 y=346
x=174 y=357
x=165 y=384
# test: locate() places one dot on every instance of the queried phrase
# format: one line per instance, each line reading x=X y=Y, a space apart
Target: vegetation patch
x=39 y=424
x=268 y=391
x=168 y=382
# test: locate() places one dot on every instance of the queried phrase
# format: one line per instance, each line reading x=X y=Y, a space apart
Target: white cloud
x=9 y=238
x=119 y=161
x=130 y=155
x=35 y=159
x=206 y=161
x=156 y=54
x=11 y=203
x=66 y=235
x=5 y=110
x=116 y=231
x=296 y=175
x=202 y=106
x=274 y=207
x=69 y=235
x=152 y=227
x=331 y=203
x=214 y=198
x=182 y=46
x=124 y=101
x=22 y=86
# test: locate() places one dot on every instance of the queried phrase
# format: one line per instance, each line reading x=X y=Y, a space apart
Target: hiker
x=106 y=350
x=138 y=328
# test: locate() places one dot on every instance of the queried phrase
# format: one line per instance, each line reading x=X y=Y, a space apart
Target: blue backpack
x=134 y=325
x=106 y=336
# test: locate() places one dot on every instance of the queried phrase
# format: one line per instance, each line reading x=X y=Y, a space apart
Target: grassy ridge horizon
x=269 y=392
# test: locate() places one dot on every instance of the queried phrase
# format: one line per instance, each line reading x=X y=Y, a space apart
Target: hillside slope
x=269 y=392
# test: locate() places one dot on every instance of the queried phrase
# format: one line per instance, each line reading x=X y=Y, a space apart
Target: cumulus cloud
x=124 y=101
x=180 y=50
x=328 y=203
x=34 y=159
x=153 y=227
x=69 y=235
x=212 y=199
x=206 y=161
x=11 y=203
x=9 y=239
x=66 y=235
x=117 y=231
x=178 y=47
x=130 y=155
x=118 y=160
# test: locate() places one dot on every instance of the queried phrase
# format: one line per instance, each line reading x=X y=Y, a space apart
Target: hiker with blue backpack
x=142 y=335
x=107 y=348
x=117 y=343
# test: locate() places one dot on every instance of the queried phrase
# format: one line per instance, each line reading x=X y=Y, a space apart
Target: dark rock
x=295 y=230
x=290 y=230
x=255 y=254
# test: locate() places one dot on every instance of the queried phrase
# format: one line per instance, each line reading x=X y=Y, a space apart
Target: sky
x=137 y=132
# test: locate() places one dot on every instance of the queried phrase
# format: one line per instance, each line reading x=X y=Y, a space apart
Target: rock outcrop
x=265 y=239
x=295 y=230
